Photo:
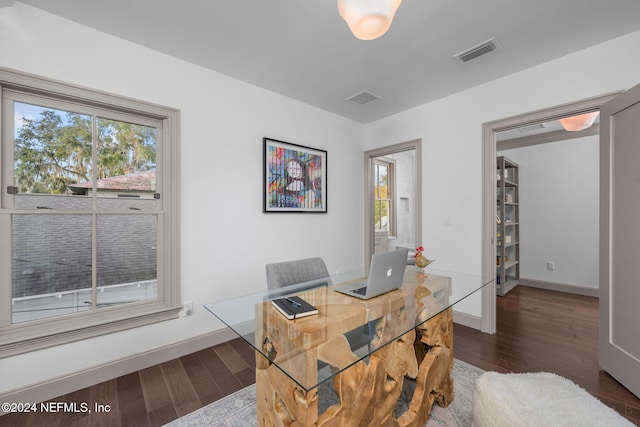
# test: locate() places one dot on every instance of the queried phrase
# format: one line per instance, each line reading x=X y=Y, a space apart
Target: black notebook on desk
x=294 y=307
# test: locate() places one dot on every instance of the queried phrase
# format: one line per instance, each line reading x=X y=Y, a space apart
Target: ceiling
x=304 y=50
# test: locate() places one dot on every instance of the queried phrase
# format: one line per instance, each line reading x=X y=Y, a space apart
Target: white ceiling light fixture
x=368 y=19
x=579 y=122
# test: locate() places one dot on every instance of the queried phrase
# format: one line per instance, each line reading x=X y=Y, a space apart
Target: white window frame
x=29 y=336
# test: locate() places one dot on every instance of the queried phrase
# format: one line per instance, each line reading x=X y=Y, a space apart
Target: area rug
x=541 y=398
x=239 y=409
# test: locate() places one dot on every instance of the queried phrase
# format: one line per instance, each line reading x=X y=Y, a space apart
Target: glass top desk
x=365 y=347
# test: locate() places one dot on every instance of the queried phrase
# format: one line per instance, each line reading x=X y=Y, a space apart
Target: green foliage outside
x=55 y=150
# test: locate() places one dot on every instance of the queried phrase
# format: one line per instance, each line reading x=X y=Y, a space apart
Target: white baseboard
x=55 y=387
x=560 y=287
x=469 y=320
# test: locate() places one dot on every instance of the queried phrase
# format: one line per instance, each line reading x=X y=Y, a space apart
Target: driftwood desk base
x=368 y=392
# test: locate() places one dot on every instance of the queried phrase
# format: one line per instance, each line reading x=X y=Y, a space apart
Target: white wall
x=405 y=174
x=451 y=132
x=226 y=239
x=559 y=202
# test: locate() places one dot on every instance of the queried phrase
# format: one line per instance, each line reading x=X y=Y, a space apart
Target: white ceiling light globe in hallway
x=368 y=19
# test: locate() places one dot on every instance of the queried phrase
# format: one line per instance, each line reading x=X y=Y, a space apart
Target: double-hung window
x=88 y=213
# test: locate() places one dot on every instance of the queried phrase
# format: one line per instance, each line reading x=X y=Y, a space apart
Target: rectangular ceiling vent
x=363 y=98
x=531 y=128
x=476 y=51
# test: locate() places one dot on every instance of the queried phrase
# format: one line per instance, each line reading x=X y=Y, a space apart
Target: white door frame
x=416 y=145
x=489 y=149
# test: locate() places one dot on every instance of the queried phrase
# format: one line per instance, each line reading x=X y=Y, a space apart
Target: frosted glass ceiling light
x=580 y=122
x=368 y=19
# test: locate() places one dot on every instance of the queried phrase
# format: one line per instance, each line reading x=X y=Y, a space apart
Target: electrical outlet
x=551 y=266
x=187 y=308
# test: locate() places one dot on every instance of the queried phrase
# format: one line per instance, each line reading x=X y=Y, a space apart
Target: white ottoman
x=537 y=399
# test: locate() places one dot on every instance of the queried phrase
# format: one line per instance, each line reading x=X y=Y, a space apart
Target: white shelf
x=507 y=273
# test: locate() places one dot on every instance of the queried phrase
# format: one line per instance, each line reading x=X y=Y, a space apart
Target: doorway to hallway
x=490 y=148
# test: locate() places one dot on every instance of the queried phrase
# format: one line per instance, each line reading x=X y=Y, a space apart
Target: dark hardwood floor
x=546 y=331
x=538 y=330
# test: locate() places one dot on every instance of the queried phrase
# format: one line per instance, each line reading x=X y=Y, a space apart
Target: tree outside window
x=87 y=213
x=54 y=170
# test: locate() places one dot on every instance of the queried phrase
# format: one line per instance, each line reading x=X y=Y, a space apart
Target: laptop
x=385 y=274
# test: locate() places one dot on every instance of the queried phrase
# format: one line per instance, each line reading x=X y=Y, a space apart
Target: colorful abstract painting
x=295 y=178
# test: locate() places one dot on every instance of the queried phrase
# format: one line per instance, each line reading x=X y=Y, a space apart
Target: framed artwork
x=294 y=178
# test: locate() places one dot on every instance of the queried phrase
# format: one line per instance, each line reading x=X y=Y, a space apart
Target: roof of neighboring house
x=139 y=181
x=53 y=253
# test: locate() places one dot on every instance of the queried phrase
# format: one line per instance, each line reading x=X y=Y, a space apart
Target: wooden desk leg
x=434 y=350
x=280 y=401
x=368 y=392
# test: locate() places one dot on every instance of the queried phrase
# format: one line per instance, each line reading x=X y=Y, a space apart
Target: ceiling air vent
x=476 y=51
x=363 y=98
x=531 y=128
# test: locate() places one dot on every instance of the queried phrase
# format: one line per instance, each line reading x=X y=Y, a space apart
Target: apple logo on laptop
x=389 y=271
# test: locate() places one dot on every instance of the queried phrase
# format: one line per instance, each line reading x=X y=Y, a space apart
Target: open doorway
x=550 y=233
x=393 y=198
x=491 y=144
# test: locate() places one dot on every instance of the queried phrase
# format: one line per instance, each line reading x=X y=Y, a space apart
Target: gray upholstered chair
x=288 y=273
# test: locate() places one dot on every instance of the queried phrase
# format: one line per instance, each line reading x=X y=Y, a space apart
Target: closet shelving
x=507 y=226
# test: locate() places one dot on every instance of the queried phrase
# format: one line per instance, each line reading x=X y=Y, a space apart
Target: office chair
x=287 y=273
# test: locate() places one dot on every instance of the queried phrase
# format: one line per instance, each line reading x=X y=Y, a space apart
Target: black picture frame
x=294 y=178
